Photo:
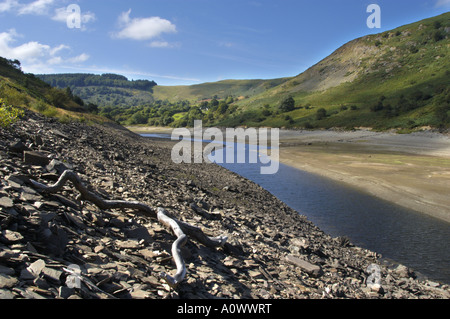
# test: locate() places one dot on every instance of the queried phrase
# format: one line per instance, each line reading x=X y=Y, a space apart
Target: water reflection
x=408 y=237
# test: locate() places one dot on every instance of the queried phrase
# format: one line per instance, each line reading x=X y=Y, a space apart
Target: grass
x=407 y=60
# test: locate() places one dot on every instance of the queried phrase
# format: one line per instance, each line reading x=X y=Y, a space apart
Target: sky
x=185 y=42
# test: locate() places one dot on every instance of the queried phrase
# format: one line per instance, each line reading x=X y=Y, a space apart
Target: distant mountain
x=239 y=89
x=395 y=79
x=105 y=89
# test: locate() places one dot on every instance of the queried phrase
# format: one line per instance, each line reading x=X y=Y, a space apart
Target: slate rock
x=9 y=236
x=18 y=147
x=35 y=158
x=6 y=270
x=7 y=281
x=6 y=202
x=311 y=269
x=58 y=167
x=6 y=294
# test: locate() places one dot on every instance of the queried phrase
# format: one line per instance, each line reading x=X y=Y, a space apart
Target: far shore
x=411 y=170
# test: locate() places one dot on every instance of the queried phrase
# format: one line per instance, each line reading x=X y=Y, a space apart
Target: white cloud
x=163 y=44
x=79 y=59
x=36 y=57
x=38 y=7
x=443 y=3
x=59 y=48
x=143 y=28
x=28 y=52
x=8 y=5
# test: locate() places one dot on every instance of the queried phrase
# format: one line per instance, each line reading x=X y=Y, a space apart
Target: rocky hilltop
x=62 y=246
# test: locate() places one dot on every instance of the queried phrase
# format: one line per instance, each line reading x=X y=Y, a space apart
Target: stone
x=139 y=233
x=6 y=294
x=130 y=244
x=6 y=270
x=18 y=147
x=58 y=133
x=33 y=271
x=7 y=281
x=311 y=269
x=35 y=158
x=403 y=271
x=6 y=202
x=52 y=274
x=58 y=167
x=65 y=292
x=9 y=236
x=27 y=196
x=124 y=251
x=76 y=220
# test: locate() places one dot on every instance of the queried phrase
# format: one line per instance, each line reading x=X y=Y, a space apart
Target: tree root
x=179 y=228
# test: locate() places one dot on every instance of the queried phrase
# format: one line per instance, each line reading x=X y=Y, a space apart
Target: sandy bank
x=411 y=170
x=150 y=129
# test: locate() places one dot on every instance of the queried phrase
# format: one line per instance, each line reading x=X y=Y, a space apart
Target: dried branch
x=180 y=229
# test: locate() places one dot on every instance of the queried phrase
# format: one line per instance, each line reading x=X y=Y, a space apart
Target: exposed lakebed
x=399 y=234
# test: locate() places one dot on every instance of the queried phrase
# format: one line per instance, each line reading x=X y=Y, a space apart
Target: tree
x=287 y=104
x=321 y=114
x=57 y=97
x=223 y=107
x=138 y=118
x=92 y=108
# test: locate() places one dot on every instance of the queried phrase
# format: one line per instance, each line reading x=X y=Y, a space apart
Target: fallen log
x=180 y=229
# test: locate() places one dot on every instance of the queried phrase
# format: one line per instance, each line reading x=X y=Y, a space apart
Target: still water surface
x=399 y=234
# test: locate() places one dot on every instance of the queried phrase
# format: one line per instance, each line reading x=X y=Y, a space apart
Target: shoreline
x=271 y=252
x=410 y=170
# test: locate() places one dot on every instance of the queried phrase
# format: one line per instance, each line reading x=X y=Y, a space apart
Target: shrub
x=321 y=114
x=8 y=114
x=40 y=106
x=288 y=104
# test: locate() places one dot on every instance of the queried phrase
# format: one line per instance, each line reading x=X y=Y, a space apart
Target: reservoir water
x=402 y=235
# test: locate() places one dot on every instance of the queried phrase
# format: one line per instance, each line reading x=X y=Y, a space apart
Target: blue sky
x=184 y=42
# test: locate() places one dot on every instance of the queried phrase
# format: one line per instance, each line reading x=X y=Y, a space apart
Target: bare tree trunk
x=180 y=229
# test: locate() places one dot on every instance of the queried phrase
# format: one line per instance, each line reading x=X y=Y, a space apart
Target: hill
x=399 y=78
x=116 y=90
x=105 y=89
x=395 y=79
x=21 y=90
x=60 y=245
x=239 y=89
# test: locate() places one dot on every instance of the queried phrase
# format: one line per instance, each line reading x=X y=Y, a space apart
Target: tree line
x=105 y=80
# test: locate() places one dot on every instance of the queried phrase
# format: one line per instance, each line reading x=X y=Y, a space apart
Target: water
x=410 y=238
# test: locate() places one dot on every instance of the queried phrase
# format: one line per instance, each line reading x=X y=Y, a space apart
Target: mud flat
x=412 y=170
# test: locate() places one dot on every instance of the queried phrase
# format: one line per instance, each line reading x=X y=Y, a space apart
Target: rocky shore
x=61 y=247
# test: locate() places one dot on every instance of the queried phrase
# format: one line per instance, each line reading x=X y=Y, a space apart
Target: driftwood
x=180 y=229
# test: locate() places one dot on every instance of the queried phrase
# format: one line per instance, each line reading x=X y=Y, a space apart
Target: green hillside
x=19 y=90
x=105 y=89
x=239 y=89
x=399 y=78
x=395 y=79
